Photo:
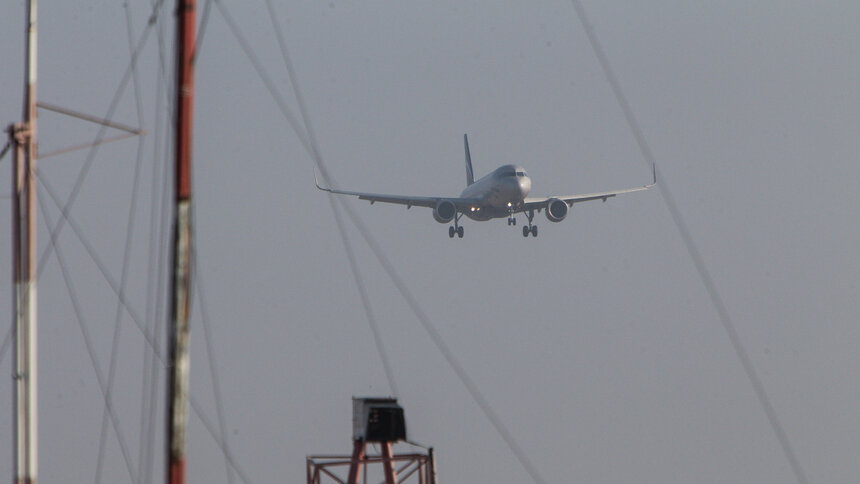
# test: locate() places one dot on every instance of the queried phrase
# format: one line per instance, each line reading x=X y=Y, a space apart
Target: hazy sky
x=596 y=342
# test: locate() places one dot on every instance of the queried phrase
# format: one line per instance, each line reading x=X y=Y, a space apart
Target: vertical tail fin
x=470 y=176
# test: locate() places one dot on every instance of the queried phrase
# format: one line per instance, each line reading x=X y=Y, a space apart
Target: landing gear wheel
x=530 y=214
x=451 y=232
x=460 y=232
x=513 y=221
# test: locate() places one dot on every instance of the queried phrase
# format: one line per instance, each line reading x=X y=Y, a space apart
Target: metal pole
x=23 y=136
x=180 y=304
x=432 y=465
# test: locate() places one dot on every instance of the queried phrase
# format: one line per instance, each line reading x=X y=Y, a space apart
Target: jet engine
x=556 y=210
x=444 y=211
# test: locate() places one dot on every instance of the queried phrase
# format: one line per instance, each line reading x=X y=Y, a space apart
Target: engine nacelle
x=444 y=211
x=556 y=210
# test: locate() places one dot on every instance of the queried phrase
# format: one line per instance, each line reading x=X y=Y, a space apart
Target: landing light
x=509 y=204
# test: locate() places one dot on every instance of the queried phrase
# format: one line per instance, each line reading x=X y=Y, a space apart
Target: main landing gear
x=530 y=228
x=456 y=228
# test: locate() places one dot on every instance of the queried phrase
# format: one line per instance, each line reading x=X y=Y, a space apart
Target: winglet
x=470 y=176
x=654 y=173
x=317 y=183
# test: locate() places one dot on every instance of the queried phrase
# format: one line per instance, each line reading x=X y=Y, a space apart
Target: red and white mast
x=180 y=282
x=23 y=139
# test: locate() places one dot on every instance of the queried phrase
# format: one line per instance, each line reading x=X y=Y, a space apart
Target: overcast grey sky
x=596 y=342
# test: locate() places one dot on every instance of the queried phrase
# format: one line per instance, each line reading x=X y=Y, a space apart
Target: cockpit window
x=511 y=171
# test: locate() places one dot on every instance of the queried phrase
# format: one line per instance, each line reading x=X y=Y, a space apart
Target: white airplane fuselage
x=498 y=192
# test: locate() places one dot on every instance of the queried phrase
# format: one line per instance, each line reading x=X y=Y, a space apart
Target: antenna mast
x=180 y=298
x=23 y=138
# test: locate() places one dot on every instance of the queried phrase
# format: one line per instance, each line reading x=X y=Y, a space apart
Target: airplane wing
x=462 y=204
x=538 y=203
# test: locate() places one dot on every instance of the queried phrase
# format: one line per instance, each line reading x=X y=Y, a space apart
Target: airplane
x=502 y=193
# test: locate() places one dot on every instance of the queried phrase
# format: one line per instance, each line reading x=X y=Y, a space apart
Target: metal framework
x=326 y=468
x=23 y=139
x=24 y=146
x=129 y=131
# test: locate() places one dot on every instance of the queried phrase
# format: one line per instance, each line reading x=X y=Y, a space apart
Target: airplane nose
x=525 y=186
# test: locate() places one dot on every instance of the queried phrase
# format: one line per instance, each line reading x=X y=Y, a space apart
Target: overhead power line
x=693 y=250
x=350 y=254
x=309 y=145
x=88 y=343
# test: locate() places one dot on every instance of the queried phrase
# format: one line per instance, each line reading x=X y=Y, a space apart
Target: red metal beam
x=180 y=297
x=186 y=39
x=388 y=464
x=357 y=462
